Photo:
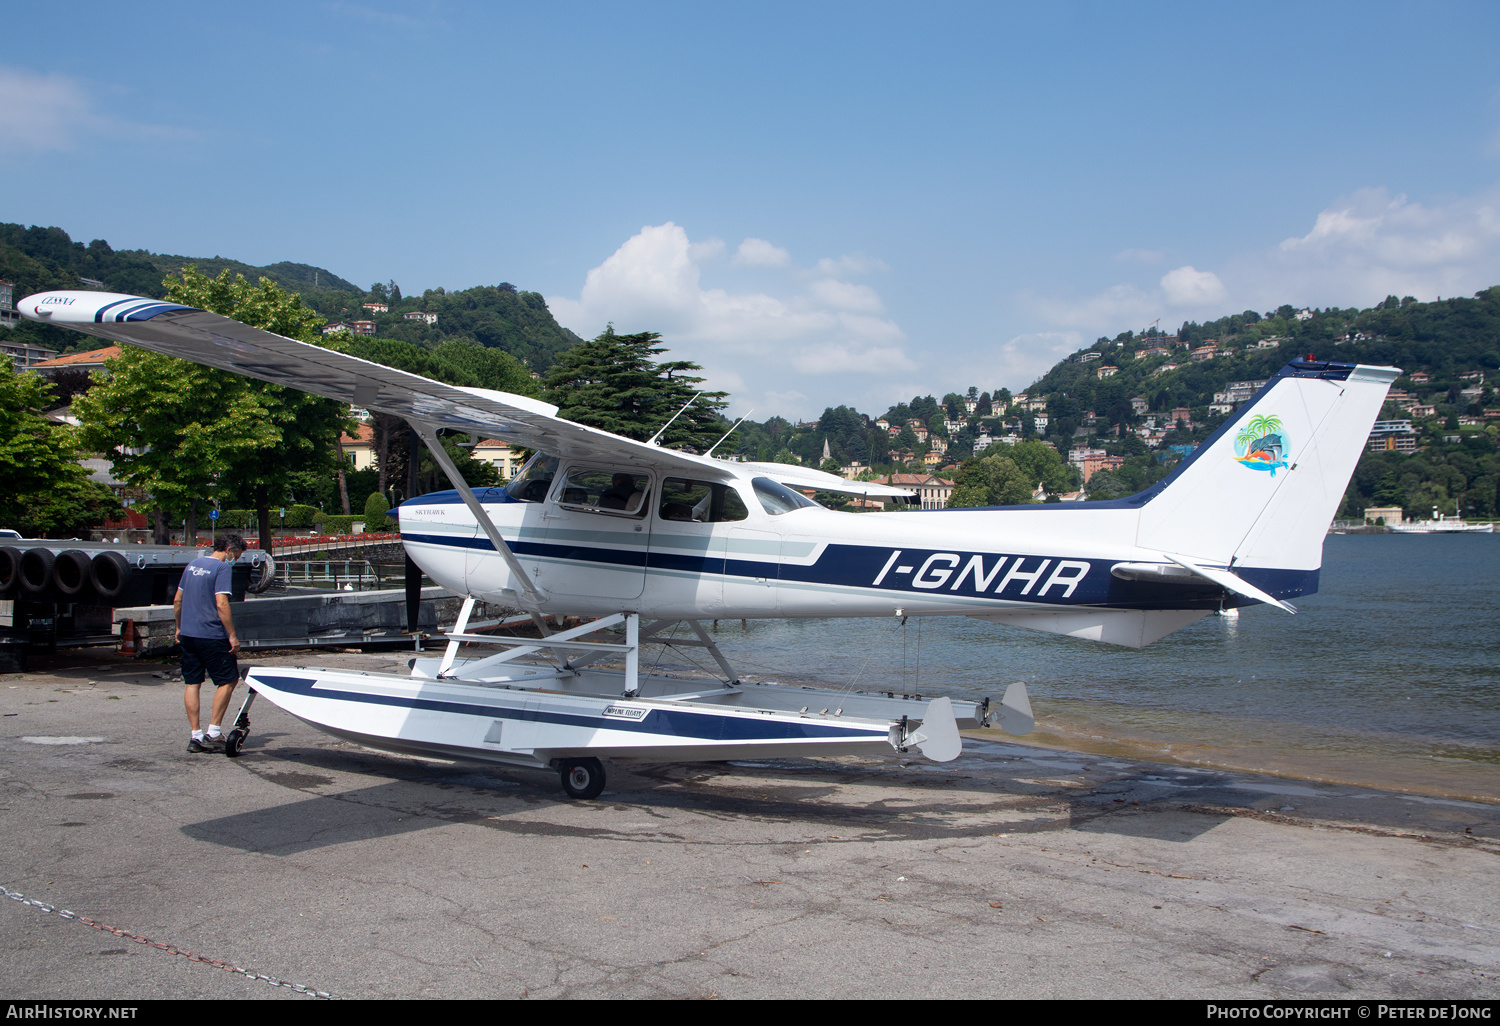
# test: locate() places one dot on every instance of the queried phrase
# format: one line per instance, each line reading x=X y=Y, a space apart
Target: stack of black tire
x=104 y=578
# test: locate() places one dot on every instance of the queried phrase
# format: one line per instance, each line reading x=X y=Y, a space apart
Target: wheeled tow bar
x=241 y=729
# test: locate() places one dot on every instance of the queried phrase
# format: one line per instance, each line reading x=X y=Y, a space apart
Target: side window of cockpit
x=620 y=493
x=700 y=502
x=535 y=479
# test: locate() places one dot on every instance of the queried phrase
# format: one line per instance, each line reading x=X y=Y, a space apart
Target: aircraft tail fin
x=1257 y=497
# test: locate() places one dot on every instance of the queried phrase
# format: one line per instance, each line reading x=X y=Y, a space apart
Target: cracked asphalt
x=1016 y=871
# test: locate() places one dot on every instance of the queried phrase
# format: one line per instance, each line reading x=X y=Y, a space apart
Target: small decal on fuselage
x=624 y=712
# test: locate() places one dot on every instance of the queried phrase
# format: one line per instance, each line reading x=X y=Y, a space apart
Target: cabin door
x=596 y=533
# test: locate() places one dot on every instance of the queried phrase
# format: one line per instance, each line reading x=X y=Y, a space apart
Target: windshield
x=534 y=480
x=776 y=498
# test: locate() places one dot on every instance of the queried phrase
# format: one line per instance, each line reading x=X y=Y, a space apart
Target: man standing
x=205 y=630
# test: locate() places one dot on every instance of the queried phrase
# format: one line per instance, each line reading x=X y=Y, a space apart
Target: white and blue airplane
x=608 y=528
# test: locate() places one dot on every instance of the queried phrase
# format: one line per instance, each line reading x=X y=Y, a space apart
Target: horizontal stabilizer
x=1230 y=582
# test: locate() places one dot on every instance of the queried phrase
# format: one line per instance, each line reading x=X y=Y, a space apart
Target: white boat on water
x=1440 y=524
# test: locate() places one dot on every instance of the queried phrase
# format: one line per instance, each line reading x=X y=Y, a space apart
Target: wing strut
x=429 y=436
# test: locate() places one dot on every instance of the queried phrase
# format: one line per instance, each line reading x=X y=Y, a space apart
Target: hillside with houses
x=1123 y=411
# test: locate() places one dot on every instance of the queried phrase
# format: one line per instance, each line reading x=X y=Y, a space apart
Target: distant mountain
x=37 y=259
x=1443 y=339
x=1150 y=397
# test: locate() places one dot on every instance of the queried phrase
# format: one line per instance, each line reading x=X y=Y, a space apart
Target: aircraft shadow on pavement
x=408 y=795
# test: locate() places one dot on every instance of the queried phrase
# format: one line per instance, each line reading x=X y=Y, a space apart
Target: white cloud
x=834 y=359
x=1118 y=304
x=760 y=253
x=842 y=295
x=1188 y=286
x=1021 y=359
x=709 y=249
x=850 y=263
x=1357 y=250
x=1371 y=244
x=745 y=340
x=41 y=113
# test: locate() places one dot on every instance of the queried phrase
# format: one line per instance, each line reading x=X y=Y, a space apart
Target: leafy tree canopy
x=613 y=382
x=46 y=491
x=990 y=481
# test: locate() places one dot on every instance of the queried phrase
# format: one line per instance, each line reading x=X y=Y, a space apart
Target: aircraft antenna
x=674 y=417
x=720 y=442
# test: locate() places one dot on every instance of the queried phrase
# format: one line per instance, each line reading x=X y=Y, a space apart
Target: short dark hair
x=227 y=541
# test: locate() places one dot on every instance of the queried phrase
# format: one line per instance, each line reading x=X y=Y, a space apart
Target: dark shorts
x=211 y=654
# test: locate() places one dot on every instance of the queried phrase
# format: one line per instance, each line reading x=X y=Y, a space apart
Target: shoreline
x=1074 y=738
x=1070 y=728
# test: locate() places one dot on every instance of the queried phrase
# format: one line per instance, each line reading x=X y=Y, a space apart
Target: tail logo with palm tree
x=1261 y=444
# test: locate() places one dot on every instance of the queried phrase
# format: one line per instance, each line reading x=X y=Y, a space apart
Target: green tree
x=613 y=382
x=990 y=481
x=375 y=518
x=1042 y=465
x=490 y=368
x=1105 y=484
x=46 y=490
x=307 y=426
x=171 y=427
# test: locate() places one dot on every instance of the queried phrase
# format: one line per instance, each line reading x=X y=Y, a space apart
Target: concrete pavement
x=1014 y=872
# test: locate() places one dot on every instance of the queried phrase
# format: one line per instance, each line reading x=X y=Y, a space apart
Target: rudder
x=1258 y=495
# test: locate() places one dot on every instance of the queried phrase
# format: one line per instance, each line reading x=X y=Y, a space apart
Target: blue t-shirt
x=202 y=579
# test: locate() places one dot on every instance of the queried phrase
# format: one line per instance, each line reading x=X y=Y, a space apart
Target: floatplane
x=638 y=540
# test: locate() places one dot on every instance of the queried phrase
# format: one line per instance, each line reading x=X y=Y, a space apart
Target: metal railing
x=342 y=574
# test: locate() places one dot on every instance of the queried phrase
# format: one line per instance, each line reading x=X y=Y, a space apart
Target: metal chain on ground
x=191 y=956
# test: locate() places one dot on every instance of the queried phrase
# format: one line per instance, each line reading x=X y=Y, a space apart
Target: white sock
x=213 y=730
x=197 y=735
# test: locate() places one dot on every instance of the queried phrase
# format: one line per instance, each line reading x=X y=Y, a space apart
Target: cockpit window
x=620 y=492
x=700 y=502
x=776 y=498
x=534 y=480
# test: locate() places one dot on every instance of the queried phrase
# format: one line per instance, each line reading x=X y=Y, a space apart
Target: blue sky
x=820 y=203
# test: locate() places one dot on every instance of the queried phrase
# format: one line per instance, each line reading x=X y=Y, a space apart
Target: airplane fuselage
x=800 y=562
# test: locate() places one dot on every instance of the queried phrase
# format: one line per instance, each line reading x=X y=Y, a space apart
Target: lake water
x=1388 y=676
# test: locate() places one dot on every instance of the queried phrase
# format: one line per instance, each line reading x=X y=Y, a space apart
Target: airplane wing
x=217 y=341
